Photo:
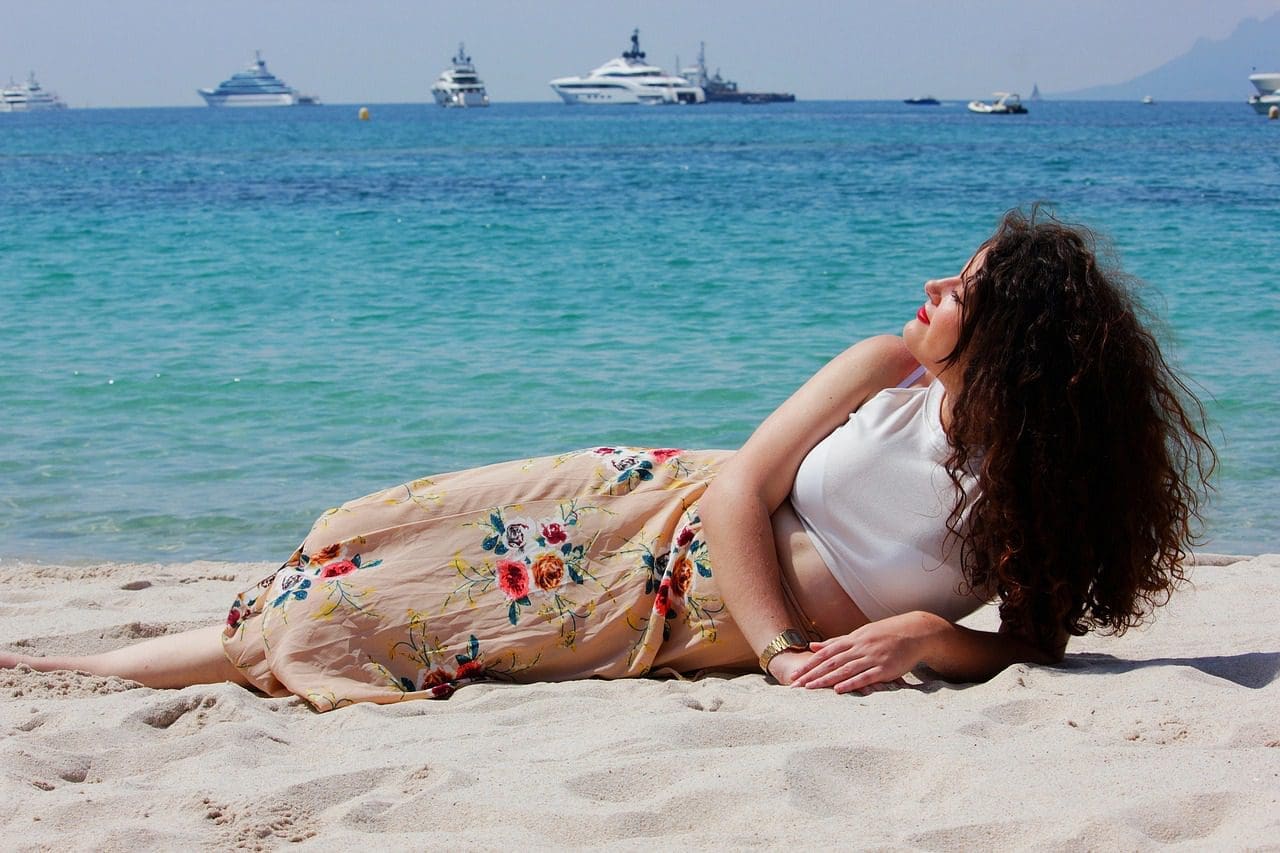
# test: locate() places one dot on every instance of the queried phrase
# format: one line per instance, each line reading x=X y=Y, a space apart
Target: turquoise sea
x=216 y=324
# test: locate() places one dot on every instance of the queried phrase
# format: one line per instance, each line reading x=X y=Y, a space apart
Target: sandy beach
x=1166 y=737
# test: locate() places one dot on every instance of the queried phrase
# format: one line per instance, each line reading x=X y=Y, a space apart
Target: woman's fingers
x=847 y=673
x=828 y=672
x=868 y=679
x=822 y=652
x=848 y=663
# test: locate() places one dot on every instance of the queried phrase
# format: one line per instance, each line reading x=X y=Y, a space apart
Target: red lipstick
x=922 y=316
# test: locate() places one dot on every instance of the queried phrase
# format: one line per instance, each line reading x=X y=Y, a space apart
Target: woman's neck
x=950 y=379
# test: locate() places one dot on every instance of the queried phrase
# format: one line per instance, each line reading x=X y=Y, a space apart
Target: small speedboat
x=924 y=101
x=1005 y=103
x=1148 y=100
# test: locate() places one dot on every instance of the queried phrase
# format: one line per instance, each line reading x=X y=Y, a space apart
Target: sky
x=131 y=53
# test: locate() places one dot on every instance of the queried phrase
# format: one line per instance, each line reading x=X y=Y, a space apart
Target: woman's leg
x=175 y=660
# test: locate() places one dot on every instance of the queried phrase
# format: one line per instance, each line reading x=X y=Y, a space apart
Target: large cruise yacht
x=255 y=86
x=28 y=96
x=627 y=79
x=1268 y=94
x=460 y=86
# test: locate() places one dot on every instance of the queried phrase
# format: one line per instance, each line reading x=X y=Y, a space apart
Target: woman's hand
x=877 y=653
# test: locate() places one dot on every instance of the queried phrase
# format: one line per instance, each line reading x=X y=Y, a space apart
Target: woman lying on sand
x=1023 y=443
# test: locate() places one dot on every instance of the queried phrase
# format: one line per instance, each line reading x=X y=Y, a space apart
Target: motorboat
x=719 y=90
x=628 y=79
x=1148 y=100
x=1263 y=104
x=460 y=86
x=255 y=86
x=1005 y=103
x=1268 y=94
x=922 y=101
x=28 y=97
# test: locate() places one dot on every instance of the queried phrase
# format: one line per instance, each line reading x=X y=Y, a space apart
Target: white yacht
x=255 y=86
x=1268 y=94
x=460 y=86
x=28 y=97
x=627 y=79
x=1005 y=104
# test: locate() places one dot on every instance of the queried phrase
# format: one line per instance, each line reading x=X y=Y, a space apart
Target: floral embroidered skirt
x=590 y=564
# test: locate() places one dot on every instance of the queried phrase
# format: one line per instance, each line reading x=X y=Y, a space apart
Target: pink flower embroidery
x=603 y=451
x=662 y=454
x=685 y=537
x=234 y=617
x=338 y=569
x=513 y=579
x=554 y=532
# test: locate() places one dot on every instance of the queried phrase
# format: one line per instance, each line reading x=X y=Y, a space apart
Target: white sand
x=1168 y=736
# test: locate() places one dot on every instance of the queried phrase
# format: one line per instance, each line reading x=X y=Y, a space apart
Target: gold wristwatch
x=789 y=640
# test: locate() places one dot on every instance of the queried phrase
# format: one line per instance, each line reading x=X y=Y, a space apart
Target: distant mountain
x=1209 y=71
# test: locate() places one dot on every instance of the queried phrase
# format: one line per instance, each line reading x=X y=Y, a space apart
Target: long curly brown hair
x=1090 y=451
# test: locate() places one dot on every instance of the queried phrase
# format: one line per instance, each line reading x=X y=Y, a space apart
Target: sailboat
x=1035 y=92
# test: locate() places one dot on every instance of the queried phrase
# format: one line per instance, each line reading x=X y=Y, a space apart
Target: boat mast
x=635 y=53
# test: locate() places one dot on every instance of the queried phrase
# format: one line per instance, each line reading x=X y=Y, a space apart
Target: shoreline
x=1178 y=743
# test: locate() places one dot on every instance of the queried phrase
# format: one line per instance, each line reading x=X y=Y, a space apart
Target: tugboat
x=721 y=90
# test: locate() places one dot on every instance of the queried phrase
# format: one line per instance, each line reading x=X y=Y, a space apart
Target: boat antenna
x=635 y=52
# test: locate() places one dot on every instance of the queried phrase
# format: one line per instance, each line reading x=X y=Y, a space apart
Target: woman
x=1023 y=442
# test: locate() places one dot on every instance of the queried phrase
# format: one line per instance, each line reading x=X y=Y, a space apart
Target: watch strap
x=788 y=640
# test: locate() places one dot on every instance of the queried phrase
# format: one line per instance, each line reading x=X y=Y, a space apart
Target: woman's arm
x=886 y=650
x=737 y=508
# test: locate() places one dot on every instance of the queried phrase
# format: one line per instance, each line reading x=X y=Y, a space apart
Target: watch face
x=795 y=640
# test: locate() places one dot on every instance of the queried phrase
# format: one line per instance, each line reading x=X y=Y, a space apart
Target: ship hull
x=446 y=98
x=750 y=98
x=213 y=99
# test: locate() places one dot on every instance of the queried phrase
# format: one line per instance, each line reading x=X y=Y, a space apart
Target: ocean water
x=217 y=324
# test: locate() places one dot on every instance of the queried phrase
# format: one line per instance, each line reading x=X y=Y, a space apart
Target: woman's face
x=932 y=334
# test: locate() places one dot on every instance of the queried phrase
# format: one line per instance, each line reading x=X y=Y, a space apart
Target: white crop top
x=874 y=498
